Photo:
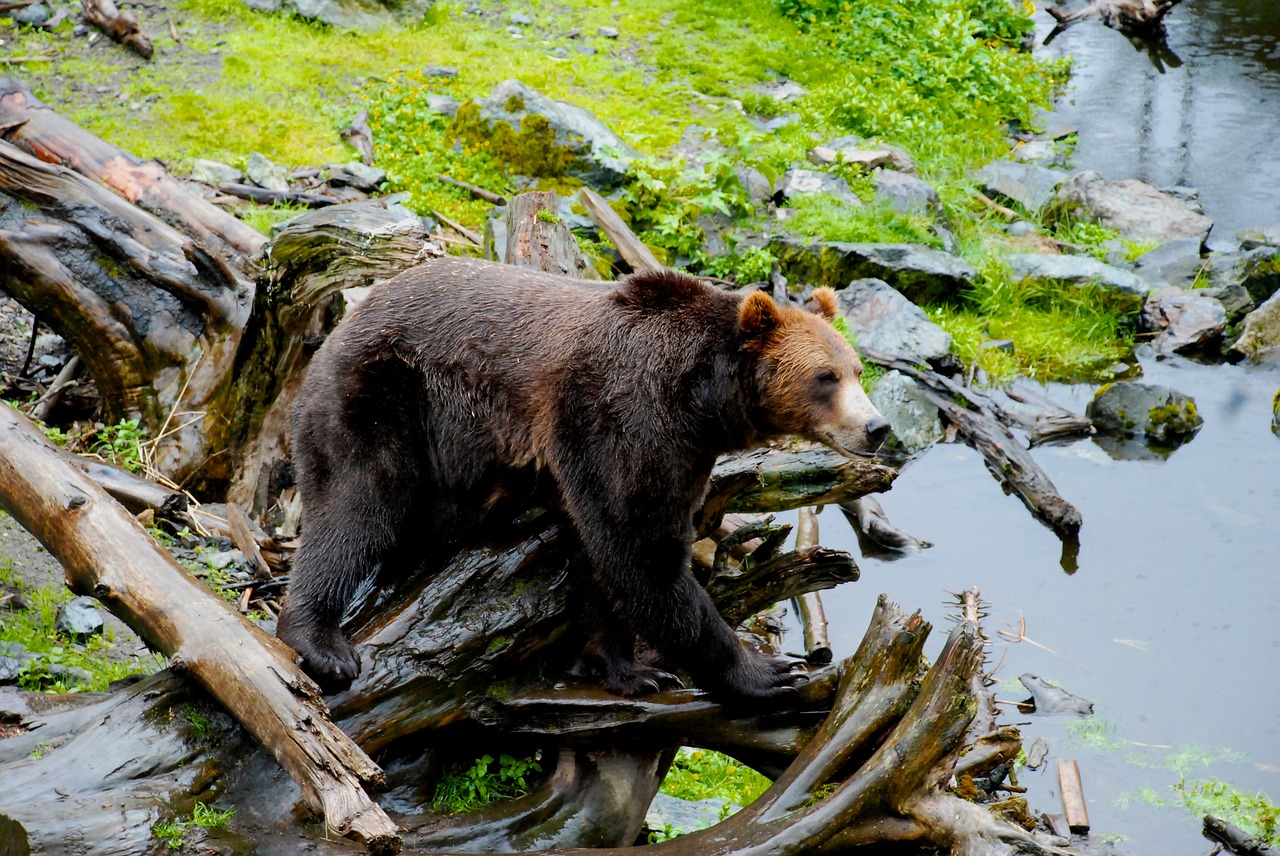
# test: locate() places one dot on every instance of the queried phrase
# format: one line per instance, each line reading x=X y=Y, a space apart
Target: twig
x=31 y=345
x=1007 y=213
x=477 y=192
x=1021 y=636
x=173 y=30
x=65 y=380
x=459 y=228
x=14 y=60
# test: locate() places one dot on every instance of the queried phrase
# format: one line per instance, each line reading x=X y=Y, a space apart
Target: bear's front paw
x=755 y=677
x=327 y=657
x=631 y=679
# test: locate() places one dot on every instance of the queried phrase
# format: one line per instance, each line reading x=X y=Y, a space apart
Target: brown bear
x=459 y=383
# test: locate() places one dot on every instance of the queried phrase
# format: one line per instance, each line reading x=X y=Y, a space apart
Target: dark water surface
x=1170 y=624
x=1212 y=123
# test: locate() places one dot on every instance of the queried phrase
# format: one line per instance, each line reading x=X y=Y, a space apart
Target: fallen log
x=980 y=427
x=1130 y=15
x=120 y=24
x=477 y=192
x=872 y=524
x=631 y=248
x=270 y=197
x=105 y=553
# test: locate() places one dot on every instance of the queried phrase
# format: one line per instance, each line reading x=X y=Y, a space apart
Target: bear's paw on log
x=460 y=392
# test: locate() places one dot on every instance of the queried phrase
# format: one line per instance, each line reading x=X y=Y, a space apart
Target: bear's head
x=809 y=377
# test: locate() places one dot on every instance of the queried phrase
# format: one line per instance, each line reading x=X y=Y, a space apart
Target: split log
x=980 y=427
x=631 y=248
x=107 y=554
x=120 y=24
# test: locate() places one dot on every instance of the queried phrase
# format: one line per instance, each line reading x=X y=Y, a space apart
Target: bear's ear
x=823 y=302
x=758 y=316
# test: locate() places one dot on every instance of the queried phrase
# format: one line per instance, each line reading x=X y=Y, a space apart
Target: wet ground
x=1212 y=122
x=1169 y=623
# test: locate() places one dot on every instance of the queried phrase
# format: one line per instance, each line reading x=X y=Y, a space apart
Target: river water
x=1170 y=623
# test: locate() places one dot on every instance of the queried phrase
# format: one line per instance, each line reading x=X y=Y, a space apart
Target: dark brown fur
x=460 y=382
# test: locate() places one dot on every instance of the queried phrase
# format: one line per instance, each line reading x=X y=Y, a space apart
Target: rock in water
x=1158 y=413
x=1260 y=334
x=79 y=618
x=1186 y=321
x=1138 y=211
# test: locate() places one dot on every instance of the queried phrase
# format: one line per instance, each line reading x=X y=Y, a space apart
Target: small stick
x=242 y=537
x=477 y=192
x=14 y=60
x=173 y=30
x=1073 y=797
x=1007 y=213
x=270 y=197
x=31 y=345
x=459 y=228
x=65 y=380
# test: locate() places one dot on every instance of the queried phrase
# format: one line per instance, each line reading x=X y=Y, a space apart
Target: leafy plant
x=121 y=444
x=1254 y=813
x=173 y=832
x=486 y=781
x=697 y=774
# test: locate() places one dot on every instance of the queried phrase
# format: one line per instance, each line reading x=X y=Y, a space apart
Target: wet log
x=1235 y=839
x=107 y=554
x=813 y=619
x=1128 y=15
x=981 y=428
x=121 y=25
x=872 y=524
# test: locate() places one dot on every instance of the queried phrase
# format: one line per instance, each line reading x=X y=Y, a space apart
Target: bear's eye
x=828 y=377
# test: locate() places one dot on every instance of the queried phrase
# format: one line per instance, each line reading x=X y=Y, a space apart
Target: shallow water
x=1169 y=624
x=1212 y=123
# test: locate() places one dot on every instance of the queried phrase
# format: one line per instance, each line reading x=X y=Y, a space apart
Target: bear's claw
x=630 y=679
x=329 y=659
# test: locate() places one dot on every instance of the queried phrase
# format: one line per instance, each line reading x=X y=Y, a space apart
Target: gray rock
x=1129 y=289
x=442 y=104
x=885 y=321
x=1029 y=185
x=13 y=658
x=1133 y=208
x=915 y=420
x=1131 y=409
x=439 y=71
x=598 y=156
x=758 y=188
x=1186 y=321
x=214 y=172
x=586 y=50
x=357 y=175
x=1234 y=299
x=782 y=90
x=869 y=154
x=776 y=123
x=1188 y=196
x=607 y=32
x=363 y=15
x=684 y=815
x=79 y=618
x=1018 y=228
x=1257 y=270
x=35 y=15
x=266 y=174
x=907 y=193
x=922 y=274
x=1268 y=236
x=1260 y=333
x=1176 y=263
x=807 y=182
x=520 y=18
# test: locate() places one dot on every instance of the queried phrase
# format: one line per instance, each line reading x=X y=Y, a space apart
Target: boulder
x=922 y=274
x=589 y=150
x=79 y=618
x=677 y=815
x=13 y=660
x=443 y=105
x=914 y=419
x=1268 y=236
x=907 y=193
x=1259 y=333
x=1027 y=184
x=885 y=321
x=1127 y=290
x=1234 y=299
x=807 y=182
x=1185 y=321
x=866 y=154
x=363 y=15
x=1133 y=208
x=266 y=174
x=1176 y=263
x=214 y=172
x=1157 y=413
x=1257 y=270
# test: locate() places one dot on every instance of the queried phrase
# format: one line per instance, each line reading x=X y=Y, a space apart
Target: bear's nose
x=877 y=430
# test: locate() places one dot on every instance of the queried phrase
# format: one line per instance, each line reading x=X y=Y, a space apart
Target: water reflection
x=1209 y=121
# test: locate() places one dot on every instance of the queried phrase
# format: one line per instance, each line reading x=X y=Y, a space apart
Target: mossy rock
x=1156 y=413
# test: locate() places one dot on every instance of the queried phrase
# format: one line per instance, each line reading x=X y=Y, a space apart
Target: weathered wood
x=478 y=192
x=1007 y=460
x=631 y=248
x=120 y=24
x=107 y=554
x=1130 y=15
x=242 y=536
x=360 y=137
x=813 y=619
x=870 y=522
x=271 y=197
x=537 y=239
x=1073 y=803
x=1235 y=839
x=66 y=378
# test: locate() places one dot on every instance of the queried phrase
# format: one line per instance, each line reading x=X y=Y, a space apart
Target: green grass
x=34 y=629
x=172 y=832
x=697 y=774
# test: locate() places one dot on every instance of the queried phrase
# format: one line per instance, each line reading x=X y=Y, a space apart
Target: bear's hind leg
x=611 y=654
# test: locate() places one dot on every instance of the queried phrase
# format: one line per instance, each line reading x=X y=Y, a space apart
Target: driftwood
x=813 y=619
x=106 y=554
x=120 y=24
x=360 y=137
x=632 y=250
x=981 y=428
x=871 y=524
x=1131 y=15
x=271 y=197
x=1236 y=840
x=537 y=239
x=477 y=192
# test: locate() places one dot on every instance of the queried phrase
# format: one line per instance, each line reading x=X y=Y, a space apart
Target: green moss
x=497 y=643
x=531 y=150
